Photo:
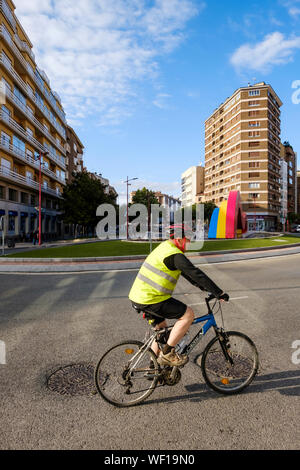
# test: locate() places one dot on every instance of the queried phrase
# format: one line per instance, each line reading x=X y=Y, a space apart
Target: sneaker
x=172 y=359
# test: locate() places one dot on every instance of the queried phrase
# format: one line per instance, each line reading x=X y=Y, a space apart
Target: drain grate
x=73 y=380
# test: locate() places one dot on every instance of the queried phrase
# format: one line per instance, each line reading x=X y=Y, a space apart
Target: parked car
x=297 y=229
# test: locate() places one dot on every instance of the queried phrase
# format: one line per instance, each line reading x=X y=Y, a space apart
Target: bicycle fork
x=224 y=341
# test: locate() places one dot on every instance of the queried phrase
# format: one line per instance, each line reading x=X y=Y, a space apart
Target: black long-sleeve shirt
x=192 y=274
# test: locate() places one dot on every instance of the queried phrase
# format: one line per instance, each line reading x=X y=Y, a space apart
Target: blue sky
x=138 y=78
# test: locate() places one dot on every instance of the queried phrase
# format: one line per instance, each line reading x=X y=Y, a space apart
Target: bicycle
x=128 y=373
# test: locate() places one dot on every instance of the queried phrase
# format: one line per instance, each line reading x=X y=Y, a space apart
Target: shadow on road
x=286 y=383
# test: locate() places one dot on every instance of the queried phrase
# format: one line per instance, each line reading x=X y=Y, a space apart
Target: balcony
x=21 y=131
x=23 y=46
x=8 y=14
x=26 y=89
x=27 y=67
x=30 y=117
x=21 y=155
x=16 y=178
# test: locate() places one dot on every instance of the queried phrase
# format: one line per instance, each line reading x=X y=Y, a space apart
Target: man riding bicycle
x=154 y=285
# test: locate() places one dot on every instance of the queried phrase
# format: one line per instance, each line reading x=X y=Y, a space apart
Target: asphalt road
x=49 y=321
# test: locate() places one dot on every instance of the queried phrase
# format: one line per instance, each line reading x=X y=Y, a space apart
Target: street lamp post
x=40 y=197
x=127 y=182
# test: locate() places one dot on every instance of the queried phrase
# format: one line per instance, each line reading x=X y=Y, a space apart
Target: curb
x=137 y=257
x=80 y=261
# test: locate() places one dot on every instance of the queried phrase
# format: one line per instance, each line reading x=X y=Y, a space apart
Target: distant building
x=288 y=155
x=192 y=186
x=108 y=188
x=168 y=201
x=74 y=154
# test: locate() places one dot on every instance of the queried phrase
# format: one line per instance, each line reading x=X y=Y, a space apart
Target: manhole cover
x=77 y=379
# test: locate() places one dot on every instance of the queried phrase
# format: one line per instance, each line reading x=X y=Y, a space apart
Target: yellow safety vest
x=155 y=282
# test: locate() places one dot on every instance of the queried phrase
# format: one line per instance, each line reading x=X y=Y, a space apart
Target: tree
x=209 y=208
x=145 y=196
x=81 y=199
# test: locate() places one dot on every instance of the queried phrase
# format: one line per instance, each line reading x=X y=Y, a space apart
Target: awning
x=13 y=213
x=2 y=212
x=24 y=214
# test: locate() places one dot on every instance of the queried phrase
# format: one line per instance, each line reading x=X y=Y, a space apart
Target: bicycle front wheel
x=126 y=375
x=229 y=366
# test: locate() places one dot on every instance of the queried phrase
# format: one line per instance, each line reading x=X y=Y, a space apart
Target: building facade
x=108 y=188
x=32 y=123
x=242 y=153
x=192 y=186
x=74 y=154
x=288 y=156
x=298 y=193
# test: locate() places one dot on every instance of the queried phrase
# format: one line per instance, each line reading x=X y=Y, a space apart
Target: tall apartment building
x=192 y=185
x=32 y=120
x=242 y=152
x=288 y=156
x=74 y=154
x=298 y=193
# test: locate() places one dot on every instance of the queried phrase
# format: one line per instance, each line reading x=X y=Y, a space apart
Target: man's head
x=181 y=235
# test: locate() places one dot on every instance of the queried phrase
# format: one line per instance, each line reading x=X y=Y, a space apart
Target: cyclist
x=154 y=285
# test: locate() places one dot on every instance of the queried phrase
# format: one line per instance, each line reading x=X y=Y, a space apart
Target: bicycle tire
x=115 y=374
x=219 y=374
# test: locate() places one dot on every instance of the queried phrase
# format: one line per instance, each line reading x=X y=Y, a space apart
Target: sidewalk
x=78 y=265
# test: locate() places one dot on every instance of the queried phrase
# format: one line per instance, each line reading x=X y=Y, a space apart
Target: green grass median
x=123 y=248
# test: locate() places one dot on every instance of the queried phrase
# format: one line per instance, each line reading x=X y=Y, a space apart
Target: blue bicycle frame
x=210 y=323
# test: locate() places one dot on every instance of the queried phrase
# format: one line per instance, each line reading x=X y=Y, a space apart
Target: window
x=11 y=223
x=24 y=198
x=254 y=93
x=254 y=154
x=19 y=143
x=13 y=195
x=253 y=113
x=254 y=175
x=29 y=132
x=254 y=134
x=5 y=139
x=254 y=124
x=6 y=111
x=29 y=154
x=254 y=185
x=2 y=192
x=19 y=95
x=254 y=164
x=254 y=195
x=253 y=144
x=5 y=165
x=253 y=103
x=29 y=175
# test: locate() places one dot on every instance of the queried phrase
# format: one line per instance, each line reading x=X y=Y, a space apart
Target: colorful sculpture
x=229 y=220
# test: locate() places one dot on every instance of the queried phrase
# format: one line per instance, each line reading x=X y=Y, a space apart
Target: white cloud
x=161 y=100
x=275 y=49
x=94 y=51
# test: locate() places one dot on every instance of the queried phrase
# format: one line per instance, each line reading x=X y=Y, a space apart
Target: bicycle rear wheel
x=123 y=376
x=225 y=376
